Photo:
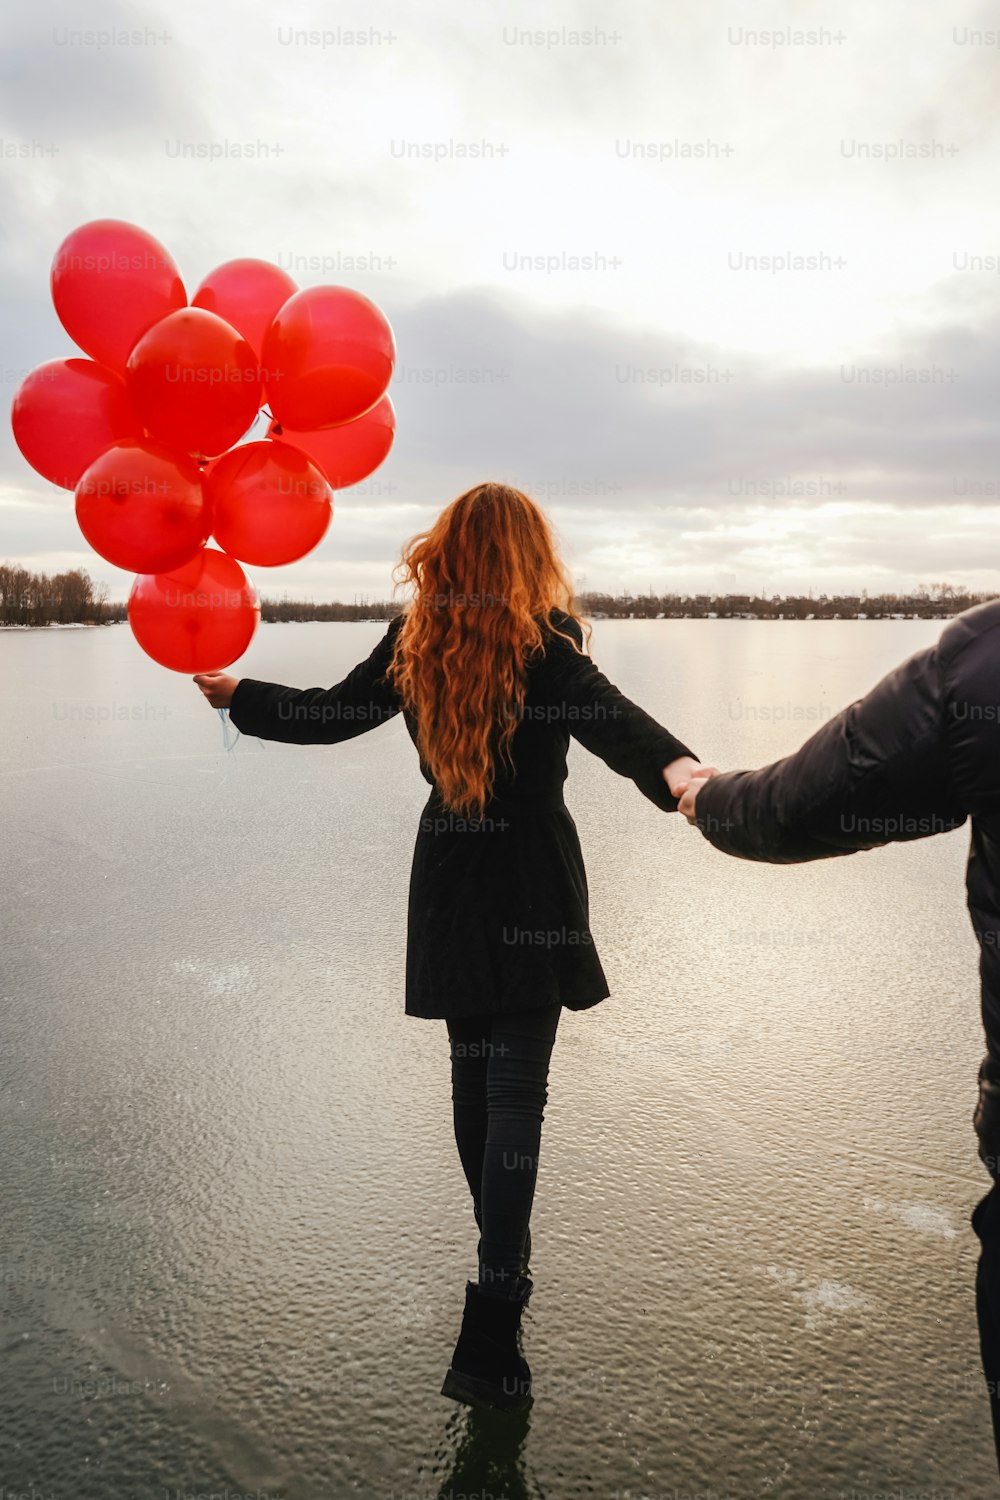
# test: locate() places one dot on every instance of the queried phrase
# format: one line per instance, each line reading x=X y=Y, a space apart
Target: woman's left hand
x=218 y=687
x=684 y=770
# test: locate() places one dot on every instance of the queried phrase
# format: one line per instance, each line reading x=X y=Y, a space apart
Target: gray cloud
x=569 y=396
x=59 y=84
x=487 y=388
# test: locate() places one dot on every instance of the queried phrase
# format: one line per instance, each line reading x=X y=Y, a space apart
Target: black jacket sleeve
x=876 y=773
x=604 y=721
x=320 y=716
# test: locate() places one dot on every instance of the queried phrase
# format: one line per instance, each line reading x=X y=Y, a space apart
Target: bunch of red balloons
x=146 y=431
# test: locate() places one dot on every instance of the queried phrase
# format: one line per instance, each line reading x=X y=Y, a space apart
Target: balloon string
x=230 y=734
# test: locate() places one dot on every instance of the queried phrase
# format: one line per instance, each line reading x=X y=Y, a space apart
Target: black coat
x=916 y=756
x=498 y=915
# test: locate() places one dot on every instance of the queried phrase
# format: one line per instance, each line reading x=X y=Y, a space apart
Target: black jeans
x=499 y=1088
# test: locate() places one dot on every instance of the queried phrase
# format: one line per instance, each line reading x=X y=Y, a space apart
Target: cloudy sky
x=719 y=288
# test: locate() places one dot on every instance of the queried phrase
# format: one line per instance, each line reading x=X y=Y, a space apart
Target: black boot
x=526 y=1253
x=486 y=1368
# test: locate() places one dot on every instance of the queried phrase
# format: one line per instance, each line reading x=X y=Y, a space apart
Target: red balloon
x=141 y=506
x=247 y=293
x=349 y=453
x=199 y=617
x=328 y=357
x=67 y=412
x=195 y=382
x=110 y=282
x=270 y=503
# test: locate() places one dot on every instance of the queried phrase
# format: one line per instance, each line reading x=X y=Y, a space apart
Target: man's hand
x=686 y=806
x=217 y=687
x=682 y=771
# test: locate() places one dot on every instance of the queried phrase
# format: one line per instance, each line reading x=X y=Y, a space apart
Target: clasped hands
x=685 y=777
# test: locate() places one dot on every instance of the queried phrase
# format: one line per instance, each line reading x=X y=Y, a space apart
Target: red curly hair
x=485 y=576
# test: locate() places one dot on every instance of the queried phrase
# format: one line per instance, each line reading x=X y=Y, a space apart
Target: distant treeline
x=299 y=609
x=939 y=601
x=60 y=599
x=72 y=598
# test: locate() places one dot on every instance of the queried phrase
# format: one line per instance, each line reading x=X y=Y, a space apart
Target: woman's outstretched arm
x=609 y=725
x=310 y=716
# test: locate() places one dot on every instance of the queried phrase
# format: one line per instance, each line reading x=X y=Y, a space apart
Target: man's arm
x=876 y=773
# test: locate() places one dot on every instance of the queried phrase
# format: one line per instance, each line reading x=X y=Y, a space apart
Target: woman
x=486 y=666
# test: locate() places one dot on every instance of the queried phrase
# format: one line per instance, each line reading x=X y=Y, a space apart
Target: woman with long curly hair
x=486 y=664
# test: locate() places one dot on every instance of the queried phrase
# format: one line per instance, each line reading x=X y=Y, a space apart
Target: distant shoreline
x=859 y=616
x=36 y=601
